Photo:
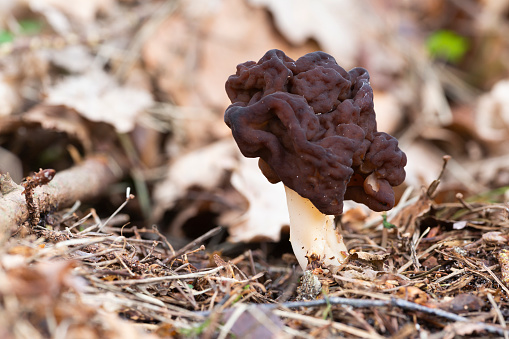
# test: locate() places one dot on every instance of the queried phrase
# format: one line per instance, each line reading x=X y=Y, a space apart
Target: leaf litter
x=92 y=81
x=445 y=276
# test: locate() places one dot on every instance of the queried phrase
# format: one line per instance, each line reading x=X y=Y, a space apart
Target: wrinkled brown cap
x=313 y=126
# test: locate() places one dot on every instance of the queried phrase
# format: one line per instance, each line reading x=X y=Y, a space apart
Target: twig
x=231 y=321
x=251 y=262
x=191 y=299
x=453 y=274
x=161 y=279
x=127 y=198
x=360 y=318
x=499 y=314
x=462 y=201
x=170 y=247
x=496 y=279
x=416 y=239
x=123 y=263
x=410 y=262
x=434 y=185
x=80 y=182
x=194 y=243
x=320 y=322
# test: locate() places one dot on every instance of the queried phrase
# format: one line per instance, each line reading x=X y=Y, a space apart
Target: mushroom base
x=313 y=235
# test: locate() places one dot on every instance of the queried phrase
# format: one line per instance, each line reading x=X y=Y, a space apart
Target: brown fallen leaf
x=338 y=37
x=261 y=212
x=367 y=274
x=98 y=97
x=492 y=113
x=495 y=238
x=46 y=279
x=462 y=303
x=254 y=323
x=414 y=294
x=84 y=11
x=369 y=256
x=202 y=169
x=191 y=62
x=267 y=211
x=60 y=119
x=9 y=95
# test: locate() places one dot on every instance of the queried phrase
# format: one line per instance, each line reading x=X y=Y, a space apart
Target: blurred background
x=143 y=81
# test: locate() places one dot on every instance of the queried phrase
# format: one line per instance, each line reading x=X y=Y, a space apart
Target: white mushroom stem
x=312 y=232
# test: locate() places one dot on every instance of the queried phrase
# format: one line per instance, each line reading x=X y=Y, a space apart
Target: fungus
x=312 y=125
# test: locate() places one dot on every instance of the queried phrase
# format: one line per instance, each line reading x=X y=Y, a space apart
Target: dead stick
x=194 y=243
x=81 y=182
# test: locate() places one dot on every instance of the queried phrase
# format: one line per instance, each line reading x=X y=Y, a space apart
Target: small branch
x=496 y=279
x=324 y=323
x=84 y=181
x=166 y=278
x=499 y=314
x=194 y=243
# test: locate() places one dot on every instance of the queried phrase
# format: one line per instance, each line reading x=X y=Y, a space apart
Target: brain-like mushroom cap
x=312 y=124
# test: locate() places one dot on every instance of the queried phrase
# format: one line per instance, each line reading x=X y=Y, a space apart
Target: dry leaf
x=367 y=274
x=412 y=293
x=254 y=323
x=301 y=20
x=462 y=329
x=193 y=52
x=97 y=96
x=417 y=174
x=354 y=217
x=389 y=111
x=267 y=212
x=370 y=256
x=492 y=114
x=84 y=11
x=10 y=163
x=9 y=97
x=495 y=238
x=203 y=168
x=407 y=218
x=121 y=329
x=75 y=59
x=503 y=259
x=463 y=303
x=47 y=279
x=60 y=119
x=6 y=8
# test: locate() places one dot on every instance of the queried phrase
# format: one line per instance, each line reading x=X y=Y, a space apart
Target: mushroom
x=312 y=125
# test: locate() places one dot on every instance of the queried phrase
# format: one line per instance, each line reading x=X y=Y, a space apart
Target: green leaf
x=5 y=36
x=26 y=27
x=447 y=45
x=195 y=330
x=386 y=224
x=30 y=27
